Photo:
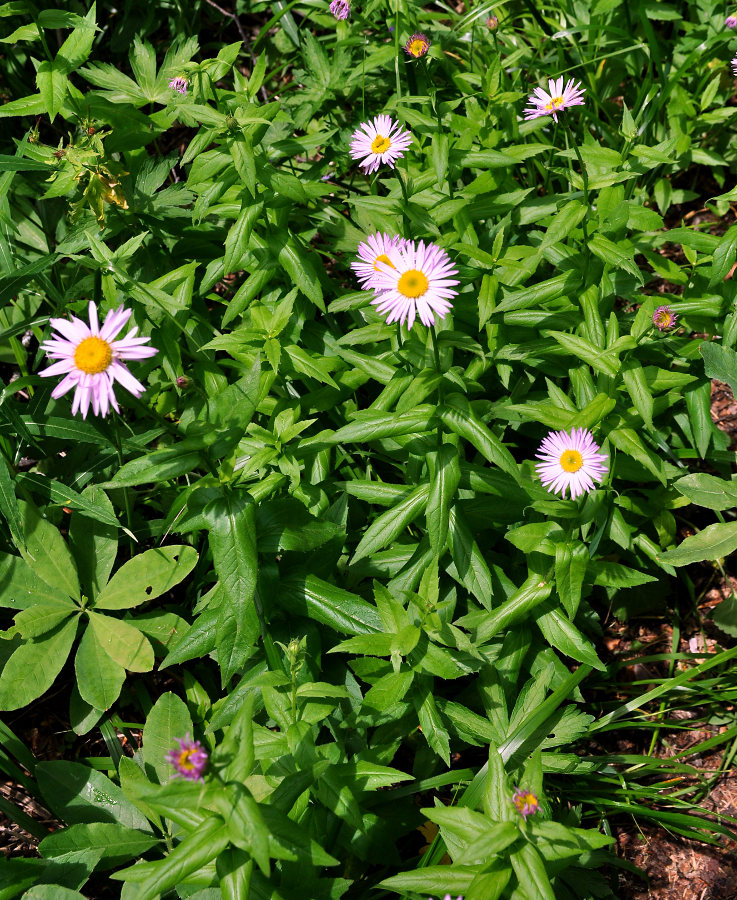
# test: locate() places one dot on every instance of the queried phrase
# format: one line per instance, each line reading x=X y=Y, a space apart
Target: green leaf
x=33 y=667
x=615 y=255
x=720 y=362
x=99 y=677
x=117 y=842
x=57 y=493
x=628 y=441
x=497 y=795
x=9 y=505
x=42 y=617
x=516 y=608
x=123 y=643
x=571 y=560
x=197 y=849
x=388 y=690
x=46 y=553
x=93 y=542
x=52 y=85
x=634 y=380
x=698 y=404
x=433 y=880
x=147 y=576
x=78 y=794
x=169 y=719
x=714 y=542
x=445 y=478
x=232 y=524
x=563 y=635
x=469 y=566
x=602 y=361
x=708 y=490
x=724 y=257
x=530 y=871
x=431 y=722
x=21 y=587
x=316 y=599
x=458 y=416
x=390 y=524
x=237 y=239
x=160 y=465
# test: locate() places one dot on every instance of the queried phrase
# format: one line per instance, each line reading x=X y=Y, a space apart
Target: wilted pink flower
x=664 y=318
x=570 y=460
x=559 y=98
x=526 y=803
x=189 y=759
x=417 y=45
x=179 y=84
x=89 y=359
x=730 y=22
x=418 y=280
x=375 y=249
x=380 y=141
x=341 y=9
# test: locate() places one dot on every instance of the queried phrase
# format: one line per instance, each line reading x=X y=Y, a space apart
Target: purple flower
x=526 y=803
x=189 y=759
x=730 y=22
x=543 y=103
x=418 y=280
x=570 y=460
x=734 y=66
x=417 y=45
x=664 y=318
x=90 y=359
x=179 y=84
x=375 y=249
x=341 y=9
x=381 y=141
x=492 y=23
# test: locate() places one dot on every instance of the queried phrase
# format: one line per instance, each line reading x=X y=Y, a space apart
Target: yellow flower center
x=184 y=760
x=523 y=800
x=380 y=144
x=93 y=355
x=417 y=47
x=383 y=258
x=571 y=460
x=413 y=283
x=555 y=103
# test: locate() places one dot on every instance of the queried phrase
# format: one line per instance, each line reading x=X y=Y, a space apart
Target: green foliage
x=325 y=532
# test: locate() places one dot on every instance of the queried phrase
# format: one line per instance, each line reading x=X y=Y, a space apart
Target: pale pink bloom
x=89 y=357
x=526 y=803
x=417 y=45
x=559 y=98
x=734 y=66
x=380 y=141
x=448 y=897
x=730 y=22
x=570 y=460
x=189 y=758
x=340 y=9
x=417 y=281
x=375 y=249
x=179 y=84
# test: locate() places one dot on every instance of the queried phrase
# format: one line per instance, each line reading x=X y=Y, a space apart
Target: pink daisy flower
x=730 y=22
x=417 y=45
x=89 y=358
x=179 y=84
x=340 y=9
x=375 y=249
x=526 y=803
x=570 y=460
x=380 y=141
x=418 y=281
x=734 y=66
x=189 y=759
x=664 y=318
x=543 y=103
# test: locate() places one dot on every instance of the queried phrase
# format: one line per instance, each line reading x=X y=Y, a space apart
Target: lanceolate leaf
x=33 y=667
x=232 y=527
